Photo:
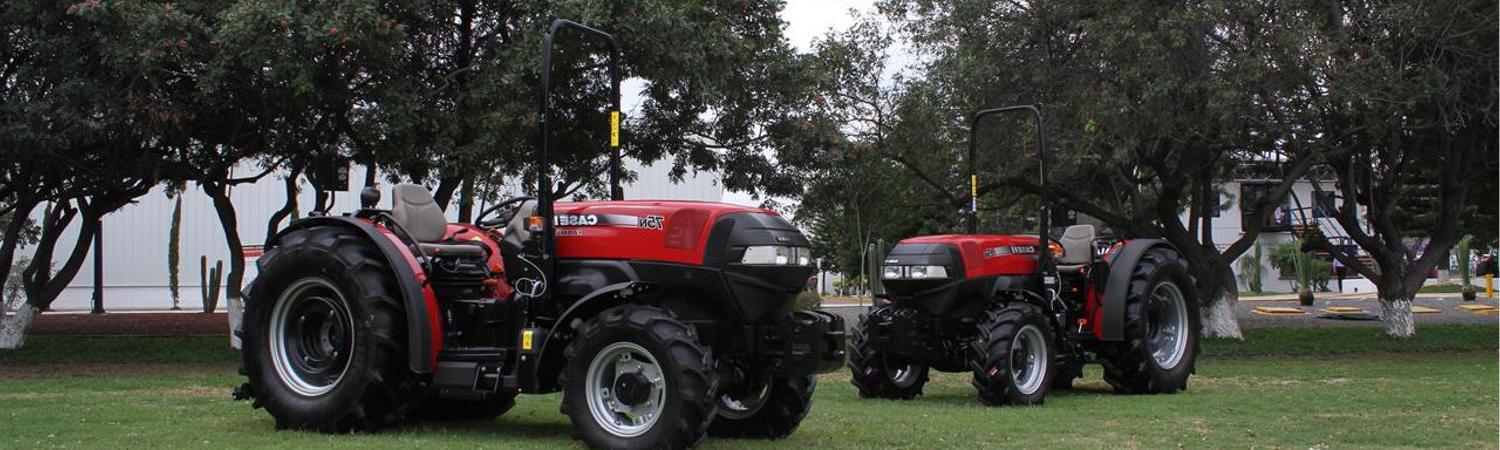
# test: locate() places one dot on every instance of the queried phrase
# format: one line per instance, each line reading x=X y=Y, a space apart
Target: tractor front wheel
x=1013 y=362
x=638 y=378
x=772 y=412
x=1161 y=329
x=881 y=375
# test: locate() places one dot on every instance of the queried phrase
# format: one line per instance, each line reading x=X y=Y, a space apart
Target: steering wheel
x=514 y=203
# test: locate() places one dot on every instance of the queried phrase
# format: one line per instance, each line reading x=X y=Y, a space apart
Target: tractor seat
x=413 y=207
x=1078 y=246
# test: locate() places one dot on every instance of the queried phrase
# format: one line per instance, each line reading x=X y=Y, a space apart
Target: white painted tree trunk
x=236 y=308
x=1218 y=318
x=1396 y=313
x=1218 y=314
x=13 y=327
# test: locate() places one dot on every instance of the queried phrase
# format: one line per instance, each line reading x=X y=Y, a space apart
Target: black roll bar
x=1044 y=251
x=542 y=244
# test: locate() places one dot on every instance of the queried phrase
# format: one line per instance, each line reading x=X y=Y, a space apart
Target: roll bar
x=1044 y=254
x=541 y=245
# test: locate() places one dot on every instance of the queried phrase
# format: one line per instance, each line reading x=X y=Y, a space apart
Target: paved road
x=1448 y=307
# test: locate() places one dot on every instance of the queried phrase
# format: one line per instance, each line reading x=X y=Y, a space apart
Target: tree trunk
x=466 y=201
x=229 y=223
x=13 y=327
x=1397 y=315
x=1218 y=315
x=289 y=208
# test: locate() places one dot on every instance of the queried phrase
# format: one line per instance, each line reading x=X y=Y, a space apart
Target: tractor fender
x=550 y=357
x=1121 y=265
x=422 y=328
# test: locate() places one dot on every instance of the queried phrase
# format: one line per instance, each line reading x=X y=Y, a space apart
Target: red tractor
x=660 y=321
x=1021 y=321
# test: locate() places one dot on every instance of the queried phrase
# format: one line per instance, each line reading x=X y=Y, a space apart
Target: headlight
x=776 y=255
x=913 y=272
x=924 y=272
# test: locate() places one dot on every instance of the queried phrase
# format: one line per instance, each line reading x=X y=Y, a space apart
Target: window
x=1323 y=204
x=1252 y=197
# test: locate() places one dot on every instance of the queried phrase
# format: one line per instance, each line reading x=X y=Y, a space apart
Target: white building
x=136 y=236
x=1296 y=214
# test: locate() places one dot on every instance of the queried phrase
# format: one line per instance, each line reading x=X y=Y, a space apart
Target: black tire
x=1007 y=333
x=1129 y=365
x=685 y=364
x=877 y=375
x=363 y=330
x=787 y=401
x=480 y=410
x=1066 y=374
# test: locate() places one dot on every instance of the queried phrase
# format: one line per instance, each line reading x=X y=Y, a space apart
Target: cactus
x=174 y=245
x=210 y=279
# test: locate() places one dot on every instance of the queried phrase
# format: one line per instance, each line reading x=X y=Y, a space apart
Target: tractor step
x=462 y=373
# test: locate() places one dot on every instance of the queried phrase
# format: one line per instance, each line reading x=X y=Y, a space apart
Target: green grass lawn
x=1287 y=388
x=1446 y=289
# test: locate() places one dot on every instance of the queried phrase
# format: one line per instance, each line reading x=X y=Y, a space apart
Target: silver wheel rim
x=302 y=360
x=740 y=408
x=1166 y=325
x=903 y=376
x=1028 y=354
x=626 y=389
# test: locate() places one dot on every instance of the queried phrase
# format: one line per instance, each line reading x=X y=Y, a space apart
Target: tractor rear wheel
x=486 y=409
x=1014 y=356
x=635 y=377
x=880 y=375
x=324 y=338
x=1161 y=329
x=772 y=412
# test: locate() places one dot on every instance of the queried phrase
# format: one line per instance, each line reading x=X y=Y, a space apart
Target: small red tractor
x=660 y=321
x=1021 y=321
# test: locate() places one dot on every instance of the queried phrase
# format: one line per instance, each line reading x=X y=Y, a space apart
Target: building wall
x=136 y=236
x=1227 y=228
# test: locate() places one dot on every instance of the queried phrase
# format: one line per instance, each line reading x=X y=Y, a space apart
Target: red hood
x=981 y=257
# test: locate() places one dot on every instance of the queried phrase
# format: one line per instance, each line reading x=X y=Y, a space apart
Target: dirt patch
x=90 y=370
x=131 y=324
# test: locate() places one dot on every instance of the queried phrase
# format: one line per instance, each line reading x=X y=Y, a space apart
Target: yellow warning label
x=614 y=128
x=526 y=339
x=973 y=185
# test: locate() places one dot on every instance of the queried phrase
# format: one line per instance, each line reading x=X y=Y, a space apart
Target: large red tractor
x=1025 y=320
x=660 y=321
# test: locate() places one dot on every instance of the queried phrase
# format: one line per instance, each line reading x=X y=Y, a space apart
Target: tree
x=87 y=125
x=1410 y=90
x=1149 y=106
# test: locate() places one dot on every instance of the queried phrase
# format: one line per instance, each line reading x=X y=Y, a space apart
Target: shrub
x=1284 y=258
x=809 y=300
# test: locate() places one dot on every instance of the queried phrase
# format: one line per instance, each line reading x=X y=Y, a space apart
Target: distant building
x=1304 y=210
x=136 y=236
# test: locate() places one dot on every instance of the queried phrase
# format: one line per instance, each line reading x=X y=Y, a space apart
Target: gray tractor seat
x=1078 y=245
x=517 y=225
x=413 y=207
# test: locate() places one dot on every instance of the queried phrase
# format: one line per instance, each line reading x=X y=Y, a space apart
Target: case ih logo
x=651 y=222
x=994 y=252
x=576 y=220
x=612 y=220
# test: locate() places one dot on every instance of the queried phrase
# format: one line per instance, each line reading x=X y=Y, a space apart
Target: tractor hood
x=970 y=255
